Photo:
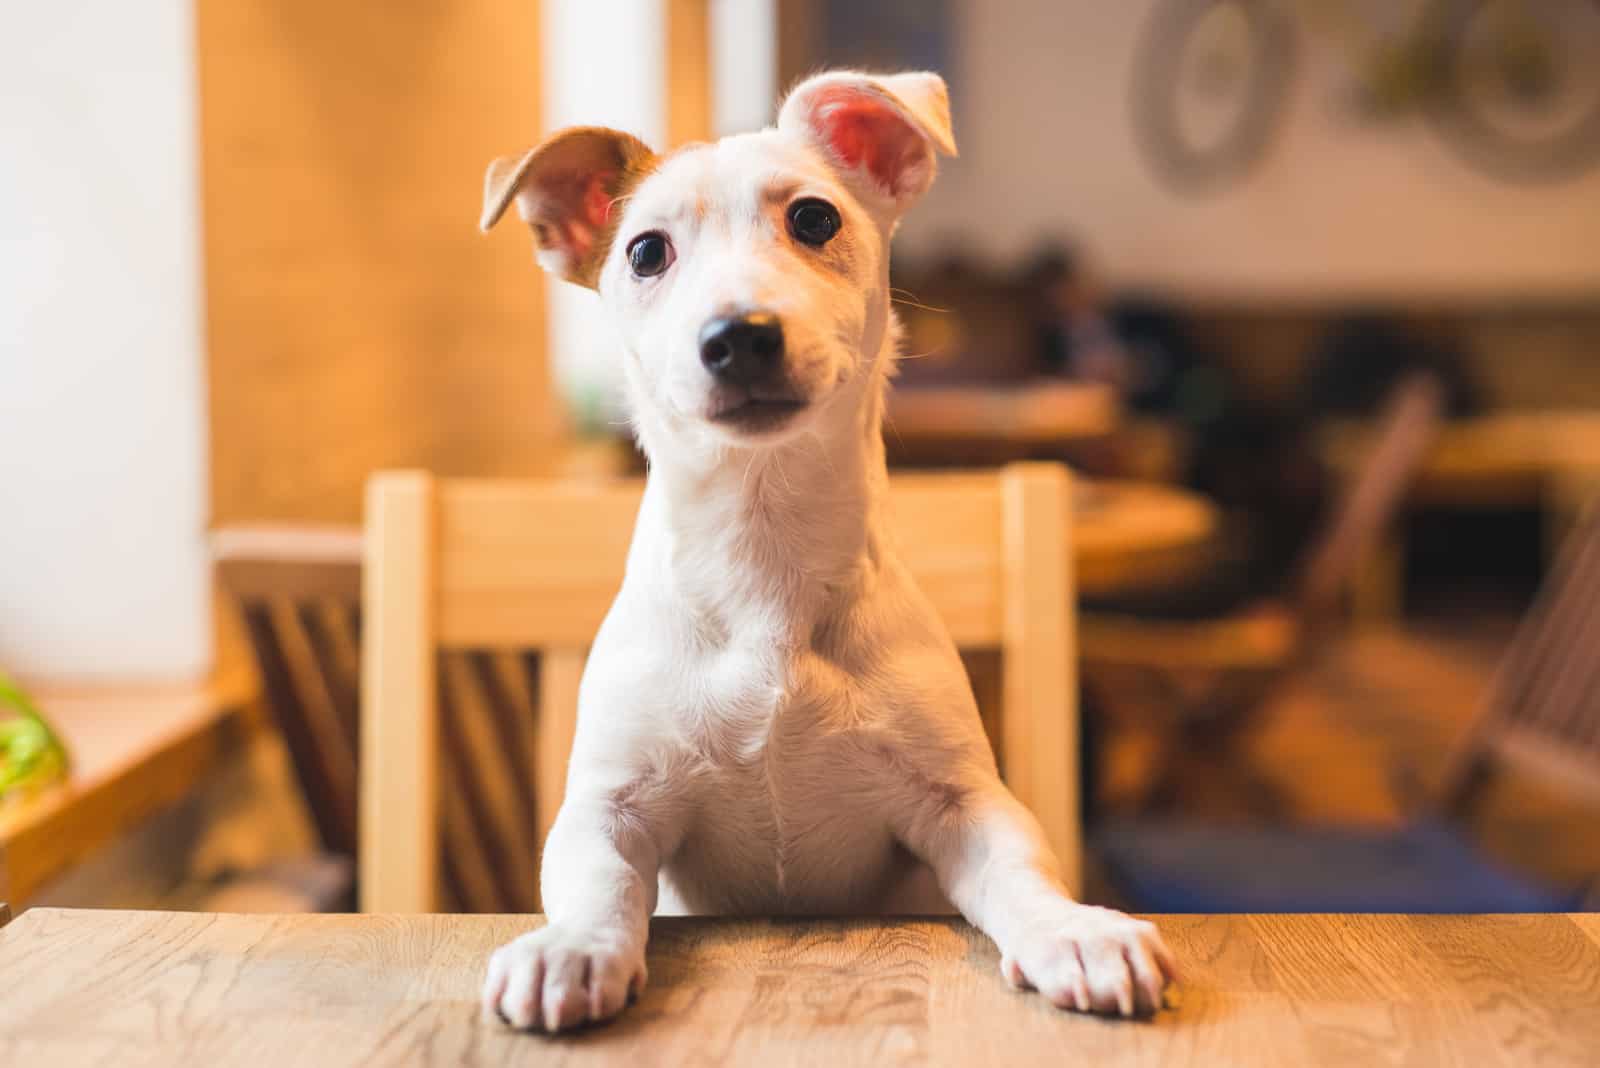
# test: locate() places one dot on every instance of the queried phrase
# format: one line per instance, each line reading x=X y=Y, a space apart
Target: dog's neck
x=783 y=534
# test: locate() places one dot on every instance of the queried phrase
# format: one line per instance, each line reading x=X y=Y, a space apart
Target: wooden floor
x=1364 y=734
x=124 y=988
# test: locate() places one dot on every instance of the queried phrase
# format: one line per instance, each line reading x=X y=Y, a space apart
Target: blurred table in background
x=1133 y=537
x=973 y=425
x=1549 y=461
x=1504 y=460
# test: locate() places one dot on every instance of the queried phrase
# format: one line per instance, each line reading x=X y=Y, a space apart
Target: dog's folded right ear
x=564 y=190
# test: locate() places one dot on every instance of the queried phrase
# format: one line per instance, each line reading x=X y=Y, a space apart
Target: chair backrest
x=298 y=590
x=1370 y=497
x=518 y=566
x=1542 y=712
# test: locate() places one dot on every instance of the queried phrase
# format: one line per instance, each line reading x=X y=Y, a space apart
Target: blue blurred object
x=1422 y=868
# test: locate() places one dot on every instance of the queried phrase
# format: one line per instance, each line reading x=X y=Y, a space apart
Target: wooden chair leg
x=1039 y=685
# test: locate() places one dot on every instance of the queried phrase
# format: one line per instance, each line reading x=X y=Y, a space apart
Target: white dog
x=773 y=720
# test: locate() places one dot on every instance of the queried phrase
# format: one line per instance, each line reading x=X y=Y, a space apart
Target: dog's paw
x=1093 y=960
x=560 y=977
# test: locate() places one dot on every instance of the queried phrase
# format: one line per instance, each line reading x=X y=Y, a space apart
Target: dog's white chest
x=785 y=819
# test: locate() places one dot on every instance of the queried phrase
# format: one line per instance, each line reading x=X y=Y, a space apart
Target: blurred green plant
x=31 y=756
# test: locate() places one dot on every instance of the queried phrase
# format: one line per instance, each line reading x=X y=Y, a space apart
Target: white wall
x=102 y=448
x=621 y=84
x=624 y=85
x=744 y=65
x=1337 y=209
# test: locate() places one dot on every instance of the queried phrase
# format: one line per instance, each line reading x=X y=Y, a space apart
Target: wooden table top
x=135 y=748
x=127 y=988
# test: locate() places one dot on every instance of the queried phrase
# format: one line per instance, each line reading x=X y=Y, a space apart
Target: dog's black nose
x=742 y=349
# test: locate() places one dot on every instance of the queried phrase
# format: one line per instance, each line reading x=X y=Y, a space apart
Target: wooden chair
x=1205 y=679
x=467 y=566
x=1541 y=715
x=298 y=589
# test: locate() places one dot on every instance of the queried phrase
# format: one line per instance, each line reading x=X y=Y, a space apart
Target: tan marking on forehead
x=781 y=191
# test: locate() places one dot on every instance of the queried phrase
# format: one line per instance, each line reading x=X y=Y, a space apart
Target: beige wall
x=355 y=317
x=1338 y=209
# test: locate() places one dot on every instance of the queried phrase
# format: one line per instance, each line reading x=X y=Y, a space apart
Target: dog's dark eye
x=650 y=254
x=813 y=221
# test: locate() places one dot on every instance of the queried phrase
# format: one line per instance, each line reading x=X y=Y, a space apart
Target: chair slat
x=324 y=716
x=511 y=717
x=325 y=622
x=502 y=808
x=540 y=566
x=330 y=790
x=1541 y=648
x=1544 y=712
x=1369 y=501
x=461 y=841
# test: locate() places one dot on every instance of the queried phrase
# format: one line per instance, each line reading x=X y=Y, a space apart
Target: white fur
x=773 y=719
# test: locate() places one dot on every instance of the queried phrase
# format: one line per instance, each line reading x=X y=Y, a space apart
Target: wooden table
x=1135 y=536
x=135 y=749
x=124 y=988
x=1509 y=458
x=975 y=424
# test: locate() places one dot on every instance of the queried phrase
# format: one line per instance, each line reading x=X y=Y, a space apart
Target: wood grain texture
x=399 y=762
x=92 y=988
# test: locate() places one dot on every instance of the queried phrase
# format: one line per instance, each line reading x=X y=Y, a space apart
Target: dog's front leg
x=993 y=863
x=599 y=885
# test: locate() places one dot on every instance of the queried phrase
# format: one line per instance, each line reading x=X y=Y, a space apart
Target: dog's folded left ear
x=564 y=190
x=880 y=129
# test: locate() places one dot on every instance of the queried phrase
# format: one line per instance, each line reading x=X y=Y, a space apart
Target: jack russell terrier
x=773 y=720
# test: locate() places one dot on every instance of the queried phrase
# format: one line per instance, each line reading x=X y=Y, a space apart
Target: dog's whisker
x=612 y=204
x=903 y=302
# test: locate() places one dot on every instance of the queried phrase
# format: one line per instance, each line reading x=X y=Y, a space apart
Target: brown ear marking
x=565 y=190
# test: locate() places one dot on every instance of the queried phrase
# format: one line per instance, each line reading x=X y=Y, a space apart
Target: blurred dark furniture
x=982 y=425
x=298 y=589
x=1206 y=679
x=1541 y=715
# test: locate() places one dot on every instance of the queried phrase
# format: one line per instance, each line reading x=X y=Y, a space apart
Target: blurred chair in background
x=1541 y=715
x=462 y=566
x=298 y=592
x=1202 y=681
